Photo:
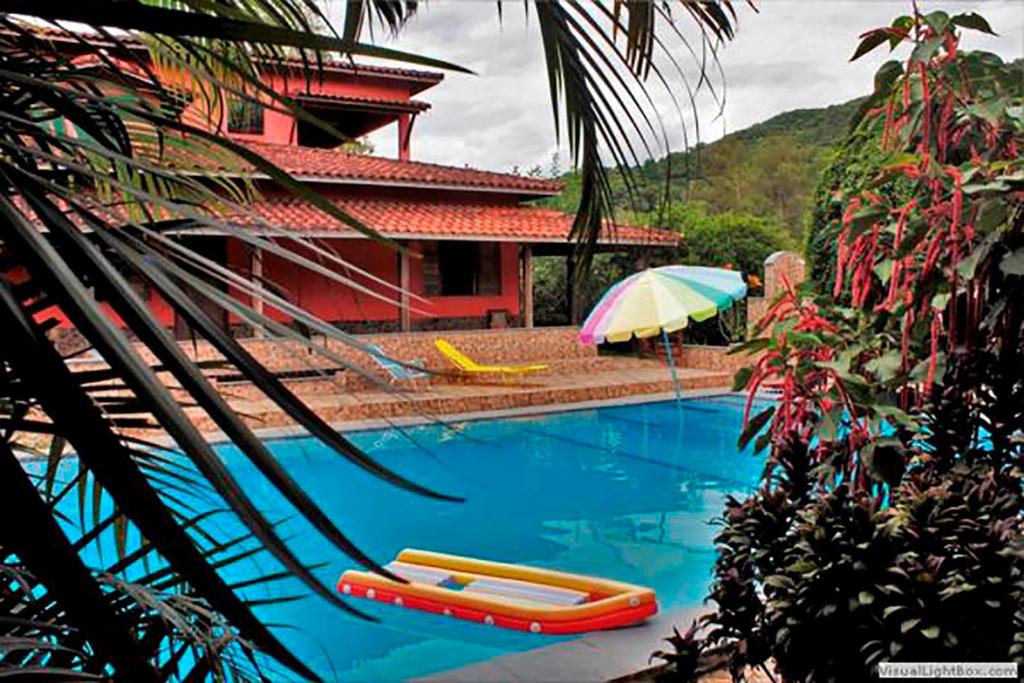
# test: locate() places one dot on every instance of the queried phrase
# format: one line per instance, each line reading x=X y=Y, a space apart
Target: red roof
x=332 y=165
x=405 y=105
x=131 y=40
x=428 y=77
x=412 y=219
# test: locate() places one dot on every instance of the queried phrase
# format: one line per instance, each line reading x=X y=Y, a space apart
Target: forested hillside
x=737 y=200
x=768 y=170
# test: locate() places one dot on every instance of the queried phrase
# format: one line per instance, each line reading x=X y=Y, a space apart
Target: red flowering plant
x=888 y=526
x=907 y=268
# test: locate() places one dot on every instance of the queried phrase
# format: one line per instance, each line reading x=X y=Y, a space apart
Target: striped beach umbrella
x=661 y=301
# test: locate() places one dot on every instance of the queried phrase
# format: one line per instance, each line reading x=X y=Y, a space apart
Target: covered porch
x=451 y=264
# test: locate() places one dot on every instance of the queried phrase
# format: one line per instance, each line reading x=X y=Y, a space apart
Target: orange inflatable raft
x=504 y=595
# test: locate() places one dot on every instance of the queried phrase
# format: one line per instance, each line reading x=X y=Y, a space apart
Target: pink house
x=470 y=235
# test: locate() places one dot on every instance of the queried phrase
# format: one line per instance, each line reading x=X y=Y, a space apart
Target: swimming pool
x=624 y=492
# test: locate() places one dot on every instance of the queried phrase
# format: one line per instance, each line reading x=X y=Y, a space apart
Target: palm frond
x=594 y=79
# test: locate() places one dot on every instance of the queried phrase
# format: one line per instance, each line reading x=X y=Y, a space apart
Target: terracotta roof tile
x=404 y=104
x=130 y=39
x=447 y=220
x=332 y=164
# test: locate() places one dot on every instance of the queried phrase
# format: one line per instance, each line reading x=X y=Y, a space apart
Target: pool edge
x=471 y=416
x=348 y=426
x=599 y=656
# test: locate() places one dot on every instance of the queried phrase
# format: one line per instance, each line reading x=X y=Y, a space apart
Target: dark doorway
x=462 y=268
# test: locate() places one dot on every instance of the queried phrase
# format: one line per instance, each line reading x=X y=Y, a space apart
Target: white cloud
x=790 y=54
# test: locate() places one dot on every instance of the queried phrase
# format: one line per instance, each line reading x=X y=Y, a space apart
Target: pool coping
x=618 y=654
x=293 y=431
x=296 y=431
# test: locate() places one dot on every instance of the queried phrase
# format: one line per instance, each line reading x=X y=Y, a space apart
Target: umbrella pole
x=671 y=363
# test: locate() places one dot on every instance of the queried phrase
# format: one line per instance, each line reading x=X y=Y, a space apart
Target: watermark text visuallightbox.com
x=956 y=670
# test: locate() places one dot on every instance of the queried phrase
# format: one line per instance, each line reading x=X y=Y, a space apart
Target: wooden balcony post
x=403 y=282
x=527 y=285
x=256 y=275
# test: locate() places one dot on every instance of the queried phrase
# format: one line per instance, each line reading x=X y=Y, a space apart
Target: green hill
x=823 y=127
x=768 y=169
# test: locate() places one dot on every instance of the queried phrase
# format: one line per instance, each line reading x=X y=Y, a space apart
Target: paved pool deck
x=614 y=379
x=600 y=656
x=415 y=420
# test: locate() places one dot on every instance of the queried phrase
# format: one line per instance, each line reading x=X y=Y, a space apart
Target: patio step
x=629 y=377
x=350 y=381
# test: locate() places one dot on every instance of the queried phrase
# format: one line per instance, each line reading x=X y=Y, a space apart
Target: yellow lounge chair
x=469 y=366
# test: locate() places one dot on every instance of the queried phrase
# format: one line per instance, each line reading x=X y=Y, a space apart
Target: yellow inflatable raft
x=504 y=595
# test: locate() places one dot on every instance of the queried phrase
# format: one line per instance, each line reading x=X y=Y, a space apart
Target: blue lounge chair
x=397 y=372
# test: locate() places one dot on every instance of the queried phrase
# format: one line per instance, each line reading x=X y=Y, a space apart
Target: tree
x=730 y=239
x=105 y=196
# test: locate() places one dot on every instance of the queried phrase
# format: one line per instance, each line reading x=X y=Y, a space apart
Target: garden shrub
x=733 y=240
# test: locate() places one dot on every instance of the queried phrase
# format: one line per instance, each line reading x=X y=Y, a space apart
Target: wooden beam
x=403 y=282
x=527 y=285
x=256 y=275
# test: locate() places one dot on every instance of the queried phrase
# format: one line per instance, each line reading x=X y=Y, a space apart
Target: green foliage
x=730 y=239
x=768 y=170
x=852 y=165
x=769 y=176
x=823 y=126
x=937 y=575
x=550 y=284
x=734 y=240
x=889 y=524
x=856 y=162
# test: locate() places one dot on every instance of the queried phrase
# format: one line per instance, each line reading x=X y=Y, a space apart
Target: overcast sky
x=791 y=54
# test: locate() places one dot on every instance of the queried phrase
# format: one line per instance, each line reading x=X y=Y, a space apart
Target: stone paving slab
x=600 y=656
x=631 y=378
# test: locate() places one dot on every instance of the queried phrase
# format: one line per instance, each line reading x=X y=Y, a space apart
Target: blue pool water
x=622 y=492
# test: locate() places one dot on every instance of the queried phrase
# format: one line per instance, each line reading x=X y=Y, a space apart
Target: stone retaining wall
x=715 y=358
x=511 y=345
x=780 y=269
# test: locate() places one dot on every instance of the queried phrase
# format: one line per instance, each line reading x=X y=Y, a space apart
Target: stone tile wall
x=715 y=358
x=779 y=268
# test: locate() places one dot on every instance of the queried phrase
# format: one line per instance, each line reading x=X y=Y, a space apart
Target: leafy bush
x=739 y=241
x=889 y=525
x=855 y=162
x=734 y=240
x=550 y=284
x=841 y=583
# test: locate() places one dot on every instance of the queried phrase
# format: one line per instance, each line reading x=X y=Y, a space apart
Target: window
x=462 y=269
x=245 y=116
